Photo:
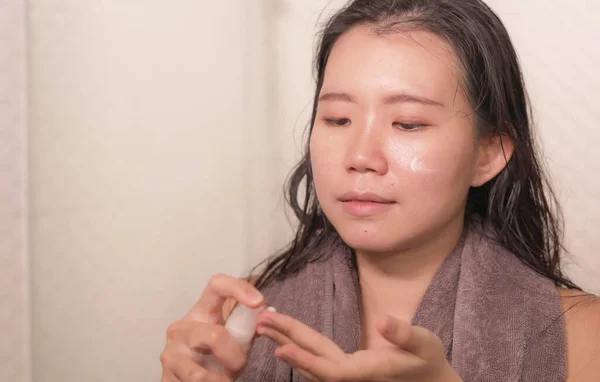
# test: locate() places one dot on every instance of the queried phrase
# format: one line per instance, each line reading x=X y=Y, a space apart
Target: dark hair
x=518 y=205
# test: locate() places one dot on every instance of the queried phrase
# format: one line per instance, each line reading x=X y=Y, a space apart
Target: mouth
x=365 y=204
x=366 y=197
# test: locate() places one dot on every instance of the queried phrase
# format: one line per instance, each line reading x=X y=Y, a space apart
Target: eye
x=337 y=121
x=409 y=126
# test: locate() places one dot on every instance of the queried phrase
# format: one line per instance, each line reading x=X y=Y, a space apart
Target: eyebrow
x=395 y=98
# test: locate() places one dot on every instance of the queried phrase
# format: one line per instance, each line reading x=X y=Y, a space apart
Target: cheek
x=323 y=158
x=434 y=167
x=401 y=154
x=416 y=160
x=444 y=179
x=435 y=164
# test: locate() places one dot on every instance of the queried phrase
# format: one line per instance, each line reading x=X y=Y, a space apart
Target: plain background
x=151 y=152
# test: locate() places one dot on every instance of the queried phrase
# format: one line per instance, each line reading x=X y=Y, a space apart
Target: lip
x=365 y=204
x=366 y=197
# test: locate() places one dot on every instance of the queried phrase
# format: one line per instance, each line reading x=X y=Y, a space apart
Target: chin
x=374 y=239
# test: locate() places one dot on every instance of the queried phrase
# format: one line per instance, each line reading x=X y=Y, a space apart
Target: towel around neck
x=498 y=319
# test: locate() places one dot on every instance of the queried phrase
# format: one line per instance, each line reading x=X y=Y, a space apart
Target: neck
x=395 y=283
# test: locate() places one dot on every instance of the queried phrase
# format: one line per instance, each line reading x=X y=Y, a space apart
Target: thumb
x=413 y=339
x=219 y=290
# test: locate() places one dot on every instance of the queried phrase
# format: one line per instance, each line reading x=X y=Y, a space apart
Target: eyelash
x=338 y=122
x=400 y=125
x=410 y=126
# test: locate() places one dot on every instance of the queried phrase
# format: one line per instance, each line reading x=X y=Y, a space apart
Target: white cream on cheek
x=417 y=165
x=411 y=159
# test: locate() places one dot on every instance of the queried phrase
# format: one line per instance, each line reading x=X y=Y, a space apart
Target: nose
x=365 y=153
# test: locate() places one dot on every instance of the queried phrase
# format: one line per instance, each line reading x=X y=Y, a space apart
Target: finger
x=167 y=376
x=274 y=335
x=366 y=365
x=425 y=344
x=220 y=288
x=414 y=339
x=216 y=340
x=301 y=334
x=303 y=361
x=185 y=370
x=380 y=363
x=394 y=330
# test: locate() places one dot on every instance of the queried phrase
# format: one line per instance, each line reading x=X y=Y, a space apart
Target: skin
x=582 y=323
x=202 y=331
x=422 y=159
x=372 y=146
x=367 y=138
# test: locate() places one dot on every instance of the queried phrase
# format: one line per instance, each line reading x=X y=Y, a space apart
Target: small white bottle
x=241 y=325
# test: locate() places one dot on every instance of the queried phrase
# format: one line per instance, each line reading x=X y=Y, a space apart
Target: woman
x=428 y=245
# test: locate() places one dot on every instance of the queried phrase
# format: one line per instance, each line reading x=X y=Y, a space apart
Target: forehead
x=362 y=60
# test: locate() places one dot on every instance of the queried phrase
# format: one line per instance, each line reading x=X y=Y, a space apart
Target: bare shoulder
x=582 y=322
x=231 y=303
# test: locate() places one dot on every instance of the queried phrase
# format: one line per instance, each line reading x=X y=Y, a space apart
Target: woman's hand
x=201 y=332
x=414 y=354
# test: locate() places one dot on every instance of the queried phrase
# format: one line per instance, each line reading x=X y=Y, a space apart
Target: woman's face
x=393 y=148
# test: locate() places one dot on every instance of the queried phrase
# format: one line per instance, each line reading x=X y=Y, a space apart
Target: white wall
x=145 y=172
x=14 y=281
x=296 y=25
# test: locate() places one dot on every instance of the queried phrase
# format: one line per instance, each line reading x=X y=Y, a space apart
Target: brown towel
x=499 y=320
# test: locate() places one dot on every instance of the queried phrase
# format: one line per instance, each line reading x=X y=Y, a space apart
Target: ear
x=493 y=154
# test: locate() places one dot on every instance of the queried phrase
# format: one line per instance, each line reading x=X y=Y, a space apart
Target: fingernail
x=255 y=297
x=271 y=309
x=280 y=353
